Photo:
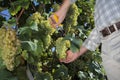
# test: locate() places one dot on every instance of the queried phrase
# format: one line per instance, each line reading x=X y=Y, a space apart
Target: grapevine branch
x=21 y=12
x=14 y=9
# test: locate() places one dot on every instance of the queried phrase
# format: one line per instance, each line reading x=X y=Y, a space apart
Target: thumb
x=69 y=54
x=53 y=22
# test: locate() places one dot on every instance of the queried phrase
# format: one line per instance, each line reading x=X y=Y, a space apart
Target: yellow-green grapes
x=46 y=41
x=61 y=47
x=46 y=28
x=2 y=34
x=35 y=17
x=71 y=18
x=9 y=45
x=39 y=66
x=44 y=25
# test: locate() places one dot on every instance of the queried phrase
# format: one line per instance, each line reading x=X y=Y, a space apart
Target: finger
x=69 y=54
x=69 y=51
x=52 y=20
x=62 y=60
x=53 y=23
x=67 y=61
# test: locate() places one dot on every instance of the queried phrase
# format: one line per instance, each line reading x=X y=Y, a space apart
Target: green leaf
x=31 y=59
x=6 y=75
x=28 y=29
x=25 y=4
x=14 y=10
x=44 y=1
x=43 y=76
x=82 y=75
x=13 y=78
x=17 y=61
x=25 y=54
x=61 y=72
x=32 y=45
x=2 y=65
x=75 y=44
x=73 y=48
x=34 y=26
x=35 y=47
x=21 y=73
x=24 y=30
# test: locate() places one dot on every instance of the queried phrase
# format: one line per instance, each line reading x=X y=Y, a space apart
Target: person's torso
x=107 y=12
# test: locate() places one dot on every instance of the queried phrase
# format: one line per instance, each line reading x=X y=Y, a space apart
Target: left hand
x=70 y=57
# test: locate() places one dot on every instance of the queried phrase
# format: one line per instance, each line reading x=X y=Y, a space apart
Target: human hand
x=60 y=14
x=70 y=57
x=57 y=18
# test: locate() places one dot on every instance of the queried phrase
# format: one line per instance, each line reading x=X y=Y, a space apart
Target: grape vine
x=71 y=19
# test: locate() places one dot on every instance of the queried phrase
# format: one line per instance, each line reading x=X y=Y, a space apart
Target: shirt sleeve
x=93 y=40
x=72 y=1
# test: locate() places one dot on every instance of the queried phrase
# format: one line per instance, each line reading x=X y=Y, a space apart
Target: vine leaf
x=43 y=76
x=32 y=45
x=28 y=29
x=75 y=43
x=61 y=72
x=6 y=75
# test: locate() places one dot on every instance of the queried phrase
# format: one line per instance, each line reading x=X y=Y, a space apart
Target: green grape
x=55 y=7
x=41 y=46
x=71 y=18
x=46 y=28
x=2 y=34
x=25 y=54
x=44 y=25
x=39 y=66
x=46 y=41
x=61 y=47
x=36 y=17
x=9 y=45
x=1 y=20
x=43 y=35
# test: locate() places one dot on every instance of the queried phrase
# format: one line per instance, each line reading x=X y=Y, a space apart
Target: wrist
x=82 y=51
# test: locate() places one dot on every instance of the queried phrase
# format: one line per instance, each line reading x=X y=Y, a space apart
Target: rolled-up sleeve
x=72 y=1
x=93 y=40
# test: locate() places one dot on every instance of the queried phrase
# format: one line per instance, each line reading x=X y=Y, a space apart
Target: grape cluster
x=71 y=18
x=35 y=17
x=46 y=41
x=46 y=30
x=9 y=44
x=42 y=35
x=61 y=47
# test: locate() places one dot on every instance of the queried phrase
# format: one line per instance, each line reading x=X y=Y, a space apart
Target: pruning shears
x=55 y=19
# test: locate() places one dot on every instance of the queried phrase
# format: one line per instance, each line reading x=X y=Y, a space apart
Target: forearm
x=64 y=7
x=82 y=51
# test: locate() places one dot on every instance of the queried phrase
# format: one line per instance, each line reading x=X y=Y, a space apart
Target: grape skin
x=9 y=44
x=61 y=47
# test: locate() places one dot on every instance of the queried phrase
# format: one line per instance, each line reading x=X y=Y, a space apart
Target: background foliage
x=29 y=18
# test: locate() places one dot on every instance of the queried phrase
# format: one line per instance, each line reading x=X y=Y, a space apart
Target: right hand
x=61 y=13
